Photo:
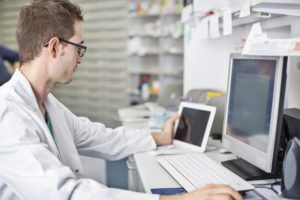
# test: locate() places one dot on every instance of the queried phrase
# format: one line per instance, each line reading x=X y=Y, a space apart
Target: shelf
x=262 y=10
x=156 y=53
x=144 y=71
x=172 y=52
x=286 y=7
x=144 y=54
x=176 y=72
x=155 y=15
x=154 y=35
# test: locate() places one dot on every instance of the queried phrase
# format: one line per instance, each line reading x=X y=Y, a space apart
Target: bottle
x=145 y=91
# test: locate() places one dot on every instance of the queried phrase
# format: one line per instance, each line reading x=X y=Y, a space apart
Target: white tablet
x=193 y=128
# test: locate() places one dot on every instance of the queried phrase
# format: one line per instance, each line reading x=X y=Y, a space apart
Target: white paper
x=245 y=10
x=202 y=28
x=258 y=43
x=197 y=5
x=187 y=33
x=227 y=21
x=186 y=14
x=214 y=26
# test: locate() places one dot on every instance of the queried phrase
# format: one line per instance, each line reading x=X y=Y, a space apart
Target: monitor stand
x=247 y=171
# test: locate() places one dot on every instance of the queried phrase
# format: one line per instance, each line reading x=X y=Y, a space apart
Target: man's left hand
x=166 y=136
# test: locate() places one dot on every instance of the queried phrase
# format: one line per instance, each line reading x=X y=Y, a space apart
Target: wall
x=206 y=64
x=294 y=73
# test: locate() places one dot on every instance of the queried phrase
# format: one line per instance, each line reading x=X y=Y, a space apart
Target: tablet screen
x=192 y=125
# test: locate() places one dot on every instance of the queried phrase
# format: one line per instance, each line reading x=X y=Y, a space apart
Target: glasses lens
x=81 y=52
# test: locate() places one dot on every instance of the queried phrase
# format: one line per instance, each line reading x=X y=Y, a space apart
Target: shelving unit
x=155 y=46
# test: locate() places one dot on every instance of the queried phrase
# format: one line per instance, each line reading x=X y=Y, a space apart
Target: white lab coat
x=34 y=167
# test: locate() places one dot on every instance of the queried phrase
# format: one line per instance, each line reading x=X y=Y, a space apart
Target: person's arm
x=94 y=139
x=208 y=192
x=9 y=55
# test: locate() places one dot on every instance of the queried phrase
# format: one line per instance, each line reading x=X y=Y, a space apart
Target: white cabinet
x=155 y=47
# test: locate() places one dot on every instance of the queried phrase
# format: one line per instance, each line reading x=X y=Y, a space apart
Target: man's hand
x=208 y=192
x=166 y=136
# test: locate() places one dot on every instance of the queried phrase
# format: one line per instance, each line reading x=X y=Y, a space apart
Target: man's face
x=68 y=56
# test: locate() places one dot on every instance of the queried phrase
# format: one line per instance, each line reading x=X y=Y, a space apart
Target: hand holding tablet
x=193 y=128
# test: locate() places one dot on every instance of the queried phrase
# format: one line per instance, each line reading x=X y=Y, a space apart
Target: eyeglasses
x=81 y=48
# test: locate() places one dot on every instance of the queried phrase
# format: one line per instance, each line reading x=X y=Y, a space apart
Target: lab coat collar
x=22 y=84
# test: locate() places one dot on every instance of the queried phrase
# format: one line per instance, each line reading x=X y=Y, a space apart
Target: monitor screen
x=250 y=108
x=192 y=126
x=254 y=104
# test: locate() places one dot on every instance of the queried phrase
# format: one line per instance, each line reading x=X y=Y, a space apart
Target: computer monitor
x=253 y=116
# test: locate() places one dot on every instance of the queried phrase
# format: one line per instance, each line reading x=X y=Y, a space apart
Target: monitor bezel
x=260 y=159
x=201 y=107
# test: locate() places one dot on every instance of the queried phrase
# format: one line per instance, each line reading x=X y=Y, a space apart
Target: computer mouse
x=224 y=151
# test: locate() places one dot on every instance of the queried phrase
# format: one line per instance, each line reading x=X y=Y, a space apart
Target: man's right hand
x=208 y=192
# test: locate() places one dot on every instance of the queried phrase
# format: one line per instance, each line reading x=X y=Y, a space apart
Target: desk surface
x=152 y=175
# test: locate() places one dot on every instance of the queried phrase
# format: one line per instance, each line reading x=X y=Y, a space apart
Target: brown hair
x=41 y=21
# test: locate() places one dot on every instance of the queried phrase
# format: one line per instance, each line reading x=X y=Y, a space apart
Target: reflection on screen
x=250 y=103
x=192 y=125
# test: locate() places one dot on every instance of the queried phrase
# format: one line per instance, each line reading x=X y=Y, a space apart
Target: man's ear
x=53 y=46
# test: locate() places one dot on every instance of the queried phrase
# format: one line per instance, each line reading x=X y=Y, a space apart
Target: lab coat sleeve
x=31 y=171
x=95 y=140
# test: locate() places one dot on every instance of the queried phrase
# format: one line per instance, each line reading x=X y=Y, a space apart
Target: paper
x=187 y=33
x=258 y=43
x=197 y=5
x=202 y=29
x=227 y=21
x=214 y=26
x=245 y=10
x=186 y=14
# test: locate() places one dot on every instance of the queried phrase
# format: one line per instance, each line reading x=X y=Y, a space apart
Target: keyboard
x=195 y=170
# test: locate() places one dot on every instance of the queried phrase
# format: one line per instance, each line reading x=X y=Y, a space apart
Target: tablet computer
x=193 y=128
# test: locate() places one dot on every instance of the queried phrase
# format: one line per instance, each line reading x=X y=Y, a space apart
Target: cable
x=264 y=186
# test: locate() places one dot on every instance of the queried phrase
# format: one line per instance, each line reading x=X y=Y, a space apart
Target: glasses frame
x=81 y=48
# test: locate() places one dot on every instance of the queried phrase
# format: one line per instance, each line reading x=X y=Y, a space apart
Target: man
x=10 y=56
x=41 y=139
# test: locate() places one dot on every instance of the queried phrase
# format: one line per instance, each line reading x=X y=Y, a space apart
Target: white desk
x=152 y=175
